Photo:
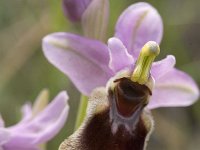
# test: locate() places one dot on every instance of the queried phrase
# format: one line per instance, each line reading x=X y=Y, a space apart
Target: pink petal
x=119 y=57
x=10 y=147
x=42 y=127
x=138 y=24
x=26 y=112
x=83 y=60
x=4 y=136
x=174 y=89
x=161 y=67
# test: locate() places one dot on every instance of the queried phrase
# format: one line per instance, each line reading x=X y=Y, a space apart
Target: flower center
x=131 y=94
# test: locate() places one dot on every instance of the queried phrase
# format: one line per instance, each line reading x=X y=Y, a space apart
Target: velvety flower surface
x=32 y=131
x=90 y=63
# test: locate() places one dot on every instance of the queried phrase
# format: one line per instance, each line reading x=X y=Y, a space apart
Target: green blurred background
x=24 y=71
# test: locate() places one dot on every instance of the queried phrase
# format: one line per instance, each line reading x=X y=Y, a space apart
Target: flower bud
x=95 y=20
x=74 y=9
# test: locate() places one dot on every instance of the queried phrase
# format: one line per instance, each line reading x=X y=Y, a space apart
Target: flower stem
x=81 y=111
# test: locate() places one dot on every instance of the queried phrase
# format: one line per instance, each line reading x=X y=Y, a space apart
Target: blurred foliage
x=24 y=71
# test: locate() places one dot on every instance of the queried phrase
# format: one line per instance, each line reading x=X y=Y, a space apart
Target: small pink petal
x=26 y=112
x=119 y=56
x=4 y=136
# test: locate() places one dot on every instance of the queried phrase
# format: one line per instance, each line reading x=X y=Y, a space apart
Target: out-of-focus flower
x=93 y=15
x=95 y=20
x=90 y=63
x=38 y=124
x=74 y=9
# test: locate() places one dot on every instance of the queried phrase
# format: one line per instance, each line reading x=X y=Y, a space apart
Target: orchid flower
x=90 y=63
x=38 y=125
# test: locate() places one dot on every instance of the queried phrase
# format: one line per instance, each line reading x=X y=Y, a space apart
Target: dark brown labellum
x=129 y=96
x=122 y=125
x=98 y=135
